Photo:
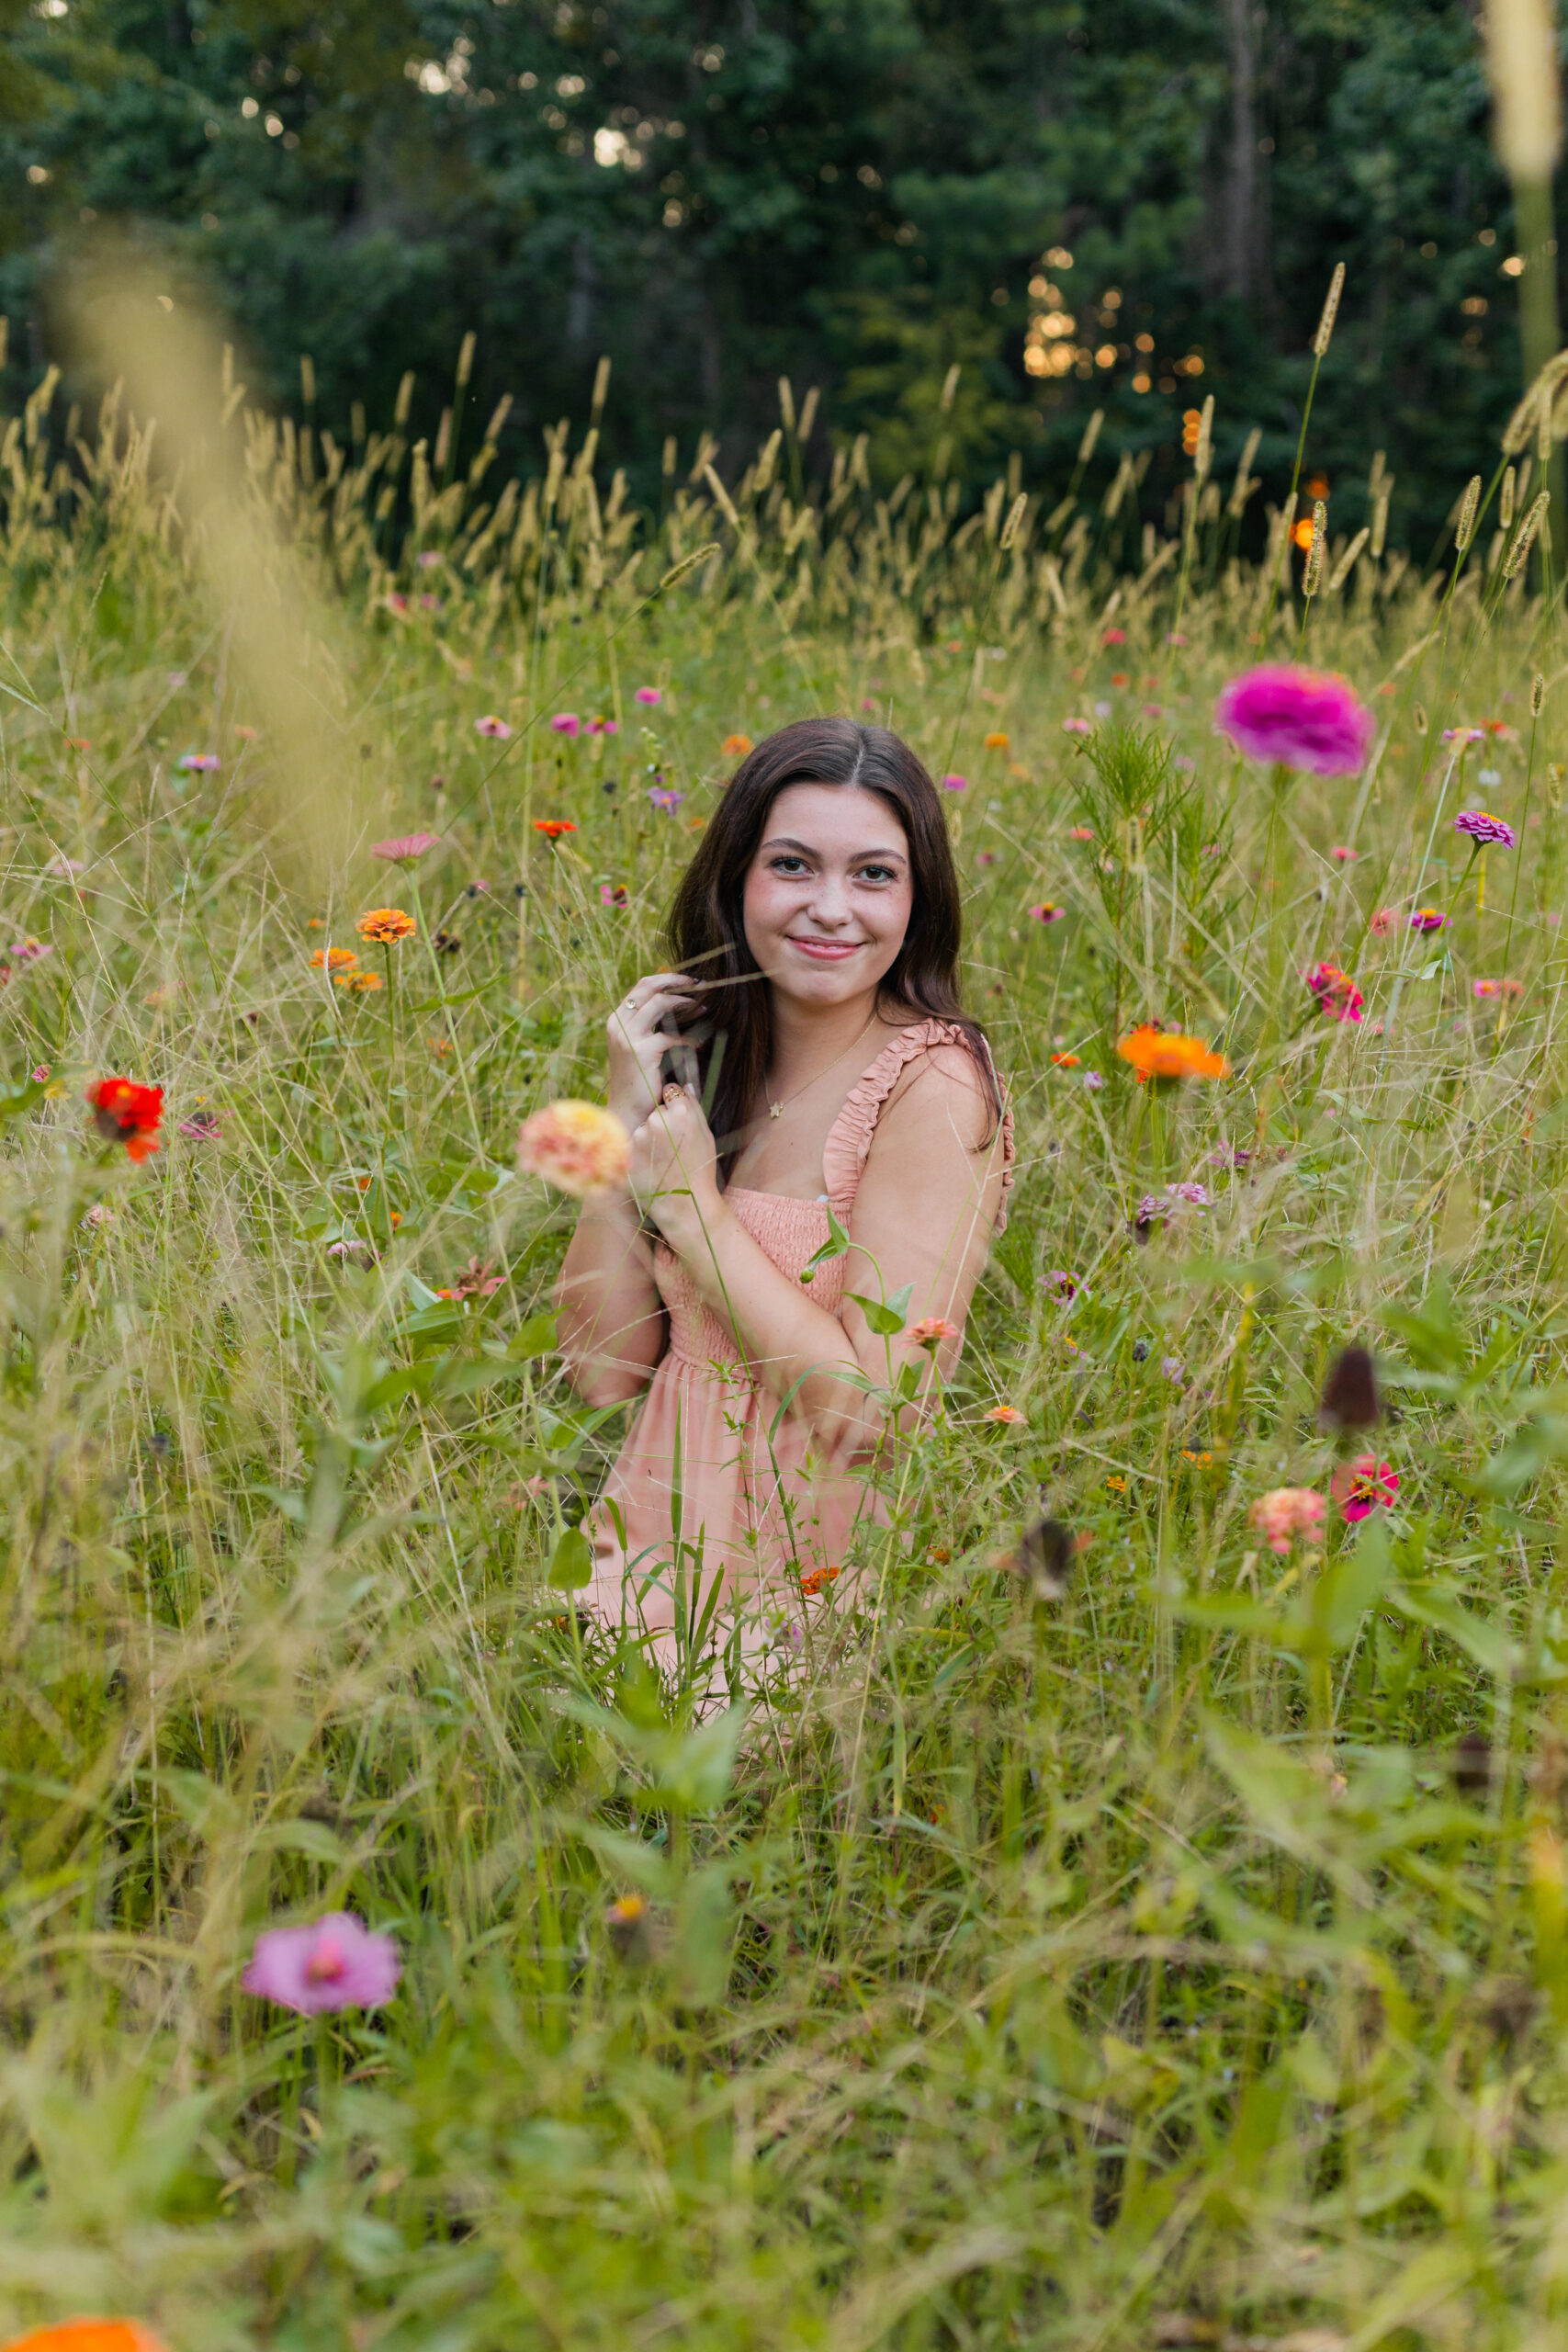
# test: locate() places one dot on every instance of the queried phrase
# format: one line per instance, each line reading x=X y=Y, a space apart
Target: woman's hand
x=640 y=1032
x=673 y=1173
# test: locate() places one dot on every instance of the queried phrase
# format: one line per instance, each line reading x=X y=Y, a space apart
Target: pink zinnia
x=1382 y=922
x=1285 y=1512
x=1427 y=919
x=955 y=783
x=496 y=729
x=1297 y=719
x=336 y=1964
x=1364 y=1485
x=1075 y=726
x=1483 y=830
x=404 y=849
x=652 y=696
x=565 y=722
x=1336 y=991
x=1343 y=857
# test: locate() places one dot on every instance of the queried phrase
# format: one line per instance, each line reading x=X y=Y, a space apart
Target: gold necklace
x=777 y=1110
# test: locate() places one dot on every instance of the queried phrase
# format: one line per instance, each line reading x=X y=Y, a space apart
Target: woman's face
x=829 y=893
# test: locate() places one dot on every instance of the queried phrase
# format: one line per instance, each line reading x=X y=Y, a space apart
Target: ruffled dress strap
x=847 y=1146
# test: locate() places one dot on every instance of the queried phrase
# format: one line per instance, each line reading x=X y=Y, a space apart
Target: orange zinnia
x=334 y=959
x=736 y=746
x=1156 y=1053
x=553 y=828
x=997 y=741
x=386 y=926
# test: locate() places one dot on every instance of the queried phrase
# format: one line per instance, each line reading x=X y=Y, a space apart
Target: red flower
x=128 y=1113
x=1364 y=1485
x=553 y=828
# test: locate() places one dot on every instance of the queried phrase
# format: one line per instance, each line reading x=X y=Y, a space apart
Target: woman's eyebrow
x=784 y=841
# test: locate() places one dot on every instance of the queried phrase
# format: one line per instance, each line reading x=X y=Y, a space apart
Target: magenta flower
x=614 y=893
x=202 y=1126
x=1363 y=1487
x=1341 y=857
x=565 y=722
x=1048 y=911
x=665 y=797
x=336 y=1964
x=1297 y=719
x=404 y=849
x=199 y=762
x=1195 y=1195
x=1485 y=831
x=1336 y=991
x=1075 y=726
x=604 y=727
x=29 y=950
x=1059 y=1285
x=1427 y=919
x=1462 y=735
x=650 y=696
x=955 y=783
x=496 y=729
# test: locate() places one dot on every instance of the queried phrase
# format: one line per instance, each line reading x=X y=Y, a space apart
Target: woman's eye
x=877 y=874
x=788 y=865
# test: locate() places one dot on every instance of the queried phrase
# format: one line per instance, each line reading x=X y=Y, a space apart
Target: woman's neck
x=808 y=1036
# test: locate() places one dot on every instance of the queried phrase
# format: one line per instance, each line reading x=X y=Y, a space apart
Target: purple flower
x=955 y=783
x=1153 y=1209
x=565 y=722
x=1483 y=830
x=1196 y=1196
x=664 y=796
x=1059 y=1285
x=652 y=696
x=1093 y=1080
x=1101 y=711
x=199 y=762
x=1230 y=1156
x=1427 y=919
x=1171 y=1367
x=1297 y=719
x=336 y=1964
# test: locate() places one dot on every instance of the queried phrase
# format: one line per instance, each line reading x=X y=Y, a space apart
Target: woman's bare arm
x=924 y=1215
x=610 y=1316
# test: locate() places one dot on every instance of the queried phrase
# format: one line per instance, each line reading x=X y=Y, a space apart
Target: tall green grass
x=1148 y=1966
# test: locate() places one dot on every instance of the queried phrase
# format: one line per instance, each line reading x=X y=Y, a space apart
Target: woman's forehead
x=836 y=815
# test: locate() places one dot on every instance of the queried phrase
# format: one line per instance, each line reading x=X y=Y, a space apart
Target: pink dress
x=706 y=1482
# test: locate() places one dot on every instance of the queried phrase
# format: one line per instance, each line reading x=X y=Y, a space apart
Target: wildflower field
x=1144 y=1928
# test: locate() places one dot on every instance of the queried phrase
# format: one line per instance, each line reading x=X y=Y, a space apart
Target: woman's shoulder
x=943 y=1076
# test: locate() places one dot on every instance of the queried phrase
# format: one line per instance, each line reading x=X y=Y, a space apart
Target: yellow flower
x=386 y=926
x=579 y=1147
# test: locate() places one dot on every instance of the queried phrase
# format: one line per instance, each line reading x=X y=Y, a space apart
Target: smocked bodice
x=790 y=1231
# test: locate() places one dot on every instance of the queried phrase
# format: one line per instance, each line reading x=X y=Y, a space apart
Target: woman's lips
x=826 y=951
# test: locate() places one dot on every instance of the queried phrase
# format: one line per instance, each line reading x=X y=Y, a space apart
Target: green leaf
x=571 y=1561
x=884 y=1320
x=836 y=1246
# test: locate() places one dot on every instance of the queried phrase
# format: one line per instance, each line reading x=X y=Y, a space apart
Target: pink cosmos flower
x=29 y=950
x=496 y=729
x=65 y=869
x=1082 y=833
x=604 y=727
x=1462 y=735
x=652 y=696
x=1048 y=912
x=1497 y=988
x=1113 y=636
x=199 y=762
x=565 y=722
x=955 y=783
x=614 y=893
x=986 y=858
x=665 y=797
x=1075 y=726
x=1485 y=831
x=336 y=1964
x=1059 y=1285
x=1362 y=1487
x=1297 y=719
x=1285 y=1512
x=202 y=1126
x=1341 y=857
x=404 y=849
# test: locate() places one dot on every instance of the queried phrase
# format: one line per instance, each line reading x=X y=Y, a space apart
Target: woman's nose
x=829 y=901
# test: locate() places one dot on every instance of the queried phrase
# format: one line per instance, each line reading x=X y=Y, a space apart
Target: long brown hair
x=707 y=932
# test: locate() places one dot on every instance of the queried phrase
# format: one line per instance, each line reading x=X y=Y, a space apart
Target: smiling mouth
x=827 y=950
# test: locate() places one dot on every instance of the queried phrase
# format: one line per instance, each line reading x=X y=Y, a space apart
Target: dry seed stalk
x=1467 y=512
x=1525 y=537
x=1347 y=562
x=1380 y=524
x=1091 y=436
x=1311 y=571
x=1016 y=513
x=1320 y=340
x=1506 y=501
x=1538 y=695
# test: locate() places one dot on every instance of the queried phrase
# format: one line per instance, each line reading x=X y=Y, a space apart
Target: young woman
x=816 y=934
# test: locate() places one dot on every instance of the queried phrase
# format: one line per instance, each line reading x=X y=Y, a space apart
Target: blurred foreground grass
x=1151 y=1967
